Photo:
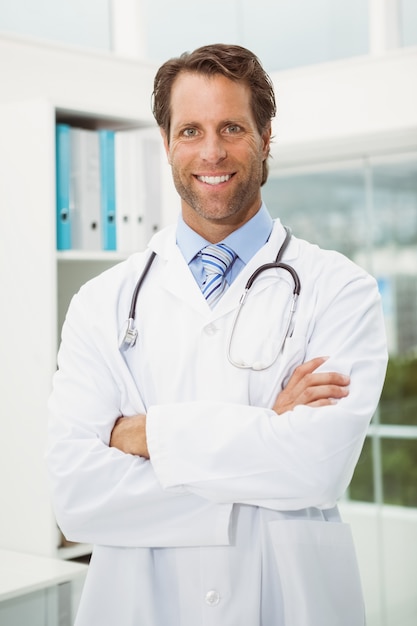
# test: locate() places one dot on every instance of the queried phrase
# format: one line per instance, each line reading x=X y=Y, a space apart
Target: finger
x=303 y=370
x=316 y=386
x=324 y=402
x=326 y=378
x=324 y=392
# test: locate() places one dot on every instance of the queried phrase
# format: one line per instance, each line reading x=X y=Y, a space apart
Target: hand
x=129 y=435
x=311 y=389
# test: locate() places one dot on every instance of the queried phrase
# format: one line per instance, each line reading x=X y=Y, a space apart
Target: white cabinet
x=28 y=321
x=40 y=84
x=38 y=591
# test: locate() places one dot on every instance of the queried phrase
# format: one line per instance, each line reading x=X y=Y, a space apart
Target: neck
x=216 y=230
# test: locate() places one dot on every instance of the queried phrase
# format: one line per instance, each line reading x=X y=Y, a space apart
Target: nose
x=213 y=149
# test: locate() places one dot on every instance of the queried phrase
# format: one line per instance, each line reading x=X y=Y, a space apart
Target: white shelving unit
x=43 y=83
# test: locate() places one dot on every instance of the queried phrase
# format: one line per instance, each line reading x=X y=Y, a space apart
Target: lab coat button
x=212 y=597
x=210 y=329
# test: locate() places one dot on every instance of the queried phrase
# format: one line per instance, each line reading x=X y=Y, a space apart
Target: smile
x=214 y=180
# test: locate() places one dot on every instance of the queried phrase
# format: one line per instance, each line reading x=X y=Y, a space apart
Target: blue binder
x=63 y=215
x=108 y=189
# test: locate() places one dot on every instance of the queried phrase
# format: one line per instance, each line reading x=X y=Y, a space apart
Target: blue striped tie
x=216 y=259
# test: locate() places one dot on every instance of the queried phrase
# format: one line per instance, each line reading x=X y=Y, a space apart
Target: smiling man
x=204 y=460
x=216 y=153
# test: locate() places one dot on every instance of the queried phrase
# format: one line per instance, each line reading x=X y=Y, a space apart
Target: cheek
x=178 y=156
x=255 y=148
x=255 y=157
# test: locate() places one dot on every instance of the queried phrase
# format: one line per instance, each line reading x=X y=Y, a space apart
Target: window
x=283 y=33
x=76 y=22
x=293 y=33
x=368 y=211
x=408 y=22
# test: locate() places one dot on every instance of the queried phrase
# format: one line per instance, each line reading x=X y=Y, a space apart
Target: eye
x=190 y=132
x=233 y=129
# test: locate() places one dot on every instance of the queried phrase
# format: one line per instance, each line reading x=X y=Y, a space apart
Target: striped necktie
x=216 y=259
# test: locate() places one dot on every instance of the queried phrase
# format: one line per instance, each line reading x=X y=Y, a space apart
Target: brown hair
x=233 y=62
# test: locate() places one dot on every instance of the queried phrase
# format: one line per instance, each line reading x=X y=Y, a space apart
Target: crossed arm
x=305 y=387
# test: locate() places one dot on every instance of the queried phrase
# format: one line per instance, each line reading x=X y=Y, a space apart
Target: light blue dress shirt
x=245 y=242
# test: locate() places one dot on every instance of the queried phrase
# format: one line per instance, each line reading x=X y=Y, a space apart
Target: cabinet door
x=52 y=606
x=27 y=320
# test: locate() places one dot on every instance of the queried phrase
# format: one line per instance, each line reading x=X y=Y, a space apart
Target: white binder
x=141 y=181
x=85 y=190
x=130 y=193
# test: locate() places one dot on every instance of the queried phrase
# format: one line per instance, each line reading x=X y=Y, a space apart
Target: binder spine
x=63 y=165
x=85 y=190
x=108 y=189
x=152 y=160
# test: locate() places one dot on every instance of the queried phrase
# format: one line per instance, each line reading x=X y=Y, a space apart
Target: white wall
x=346 y=109
x=77 y=79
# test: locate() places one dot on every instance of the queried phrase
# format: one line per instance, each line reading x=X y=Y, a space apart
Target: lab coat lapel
x=174 y=275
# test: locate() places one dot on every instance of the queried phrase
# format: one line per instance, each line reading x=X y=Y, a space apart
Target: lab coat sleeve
x=101 y=495
x=302 y=458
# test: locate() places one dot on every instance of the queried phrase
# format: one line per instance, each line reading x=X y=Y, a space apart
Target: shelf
x=74 y=551
x=95 y=120
x=91 y=255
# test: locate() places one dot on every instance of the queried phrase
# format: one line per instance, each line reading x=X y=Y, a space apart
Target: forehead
x=200 y=97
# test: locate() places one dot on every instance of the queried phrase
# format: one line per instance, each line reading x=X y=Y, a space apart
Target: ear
x=266 y=139
x=166 y=143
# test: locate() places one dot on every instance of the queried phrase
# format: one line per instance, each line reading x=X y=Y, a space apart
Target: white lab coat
x=233 y=521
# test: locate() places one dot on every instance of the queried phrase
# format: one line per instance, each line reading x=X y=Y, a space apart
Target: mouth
x=214 y=180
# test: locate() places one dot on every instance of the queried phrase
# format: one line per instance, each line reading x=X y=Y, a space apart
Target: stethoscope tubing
x=132 y=311
x=271 y=266
x=129 y=338
x=296 y=292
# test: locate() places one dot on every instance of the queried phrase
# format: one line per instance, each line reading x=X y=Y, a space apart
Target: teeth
x=214 y=180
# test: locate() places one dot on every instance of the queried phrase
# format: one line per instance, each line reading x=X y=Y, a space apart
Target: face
x=216 y=153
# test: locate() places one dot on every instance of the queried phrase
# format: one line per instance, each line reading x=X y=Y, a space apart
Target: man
x=204 y=462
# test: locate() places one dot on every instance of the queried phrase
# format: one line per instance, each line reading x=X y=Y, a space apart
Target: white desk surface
x=23 y=573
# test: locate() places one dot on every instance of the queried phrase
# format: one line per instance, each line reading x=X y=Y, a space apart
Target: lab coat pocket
x=319 y=574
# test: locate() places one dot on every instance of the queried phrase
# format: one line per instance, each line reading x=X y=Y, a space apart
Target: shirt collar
x=245 y=241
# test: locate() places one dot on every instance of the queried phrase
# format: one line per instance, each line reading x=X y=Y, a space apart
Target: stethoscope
x=130 y=334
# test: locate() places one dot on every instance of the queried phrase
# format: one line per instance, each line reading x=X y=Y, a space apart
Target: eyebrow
x=238 y=121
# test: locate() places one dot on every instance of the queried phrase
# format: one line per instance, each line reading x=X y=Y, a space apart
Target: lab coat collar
x=176 y=277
